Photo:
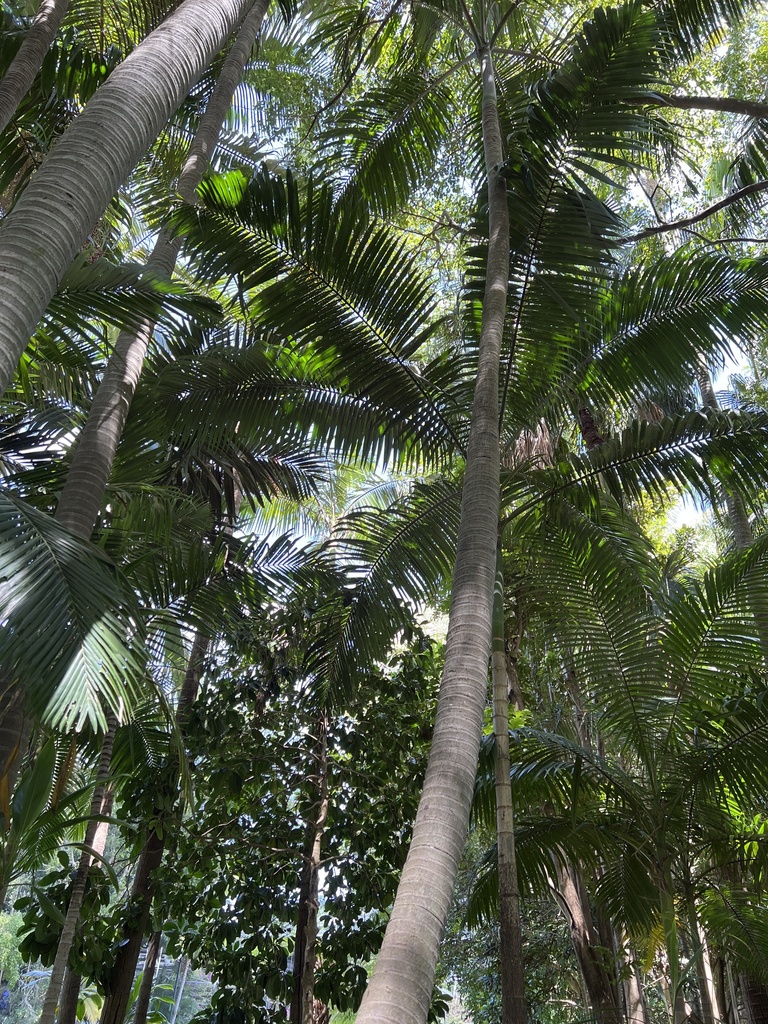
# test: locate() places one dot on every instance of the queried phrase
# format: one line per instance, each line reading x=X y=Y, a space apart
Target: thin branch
x=685 y=222
x=727 y=104
x=472 y=30
x=353 y=73
x=507 y=15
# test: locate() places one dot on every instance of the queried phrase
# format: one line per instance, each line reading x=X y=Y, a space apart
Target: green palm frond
x=699 y=452
x=325 y=277
x=394 y=561
x=691 y=25
x=124 y=296
x=649 y=328
x=121 y=25
x=298 y=402
x=579 y=125
x=739 y=917
x=390 y=138
x=69 y=627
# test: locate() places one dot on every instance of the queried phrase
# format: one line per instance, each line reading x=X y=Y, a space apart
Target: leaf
x=34 y=788
x=78 y=645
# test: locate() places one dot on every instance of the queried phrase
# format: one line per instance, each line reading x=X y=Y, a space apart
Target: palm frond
x=69 y=627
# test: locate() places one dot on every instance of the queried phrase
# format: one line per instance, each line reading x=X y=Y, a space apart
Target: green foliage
x=79 y=645
x=11 y=959
x=44 y=911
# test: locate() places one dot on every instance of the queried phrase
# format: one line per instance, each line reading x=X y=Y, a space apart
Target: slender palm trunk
x=100 y=803
x=74 y=185
x=95 y=450
x=19 y=77
x=511 y=951
x=181 y=980
x=755 y=996
x=15 y=729
x=401 y=987
x=634 y=997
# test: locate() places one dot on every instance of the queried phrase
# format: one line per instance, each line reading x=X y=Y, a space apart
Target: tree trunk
x=77 y=180
x=143 y=889
x=755 y=996
x=94 y=837
x=301 y=930
x=181 y=980
x=70 y=996
x=634 y=997
x=142 y=892
x=147 y=979
x=309 y=943
x=511 y=938
x=96 y=445
x=15 y=730
x=574 y=903
x=707 y=997
x=19 y=77
x=400 y=990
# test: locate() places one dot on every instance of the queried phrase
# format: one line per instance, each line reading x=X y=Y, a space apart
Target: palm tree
x=96 y=154
x=678 y=743
x=18 y=78
x=94 y=453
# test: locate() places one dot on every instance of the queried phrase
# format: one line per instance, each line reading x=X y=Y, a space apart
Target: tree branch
x=727 y=104
x=686 y=222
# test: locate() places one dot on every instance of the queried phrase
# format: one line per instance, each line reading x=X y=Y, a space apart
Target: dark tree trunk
x=574 y=903
x=70 y=994
x=142 y=892
x=589 y=432
x=305 y=956
x=147 y=979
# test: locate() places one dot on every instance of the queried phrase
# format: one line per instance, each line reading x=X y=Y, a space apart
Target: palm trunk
x=147 y=979
x=100 y=804
x=401 y=987
x=634 y=997
x=77 y=180
x=181 y=980
x=15 y=729
x=707 y=997
x=511 y=944
x=95 y=450
x=19 y=77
